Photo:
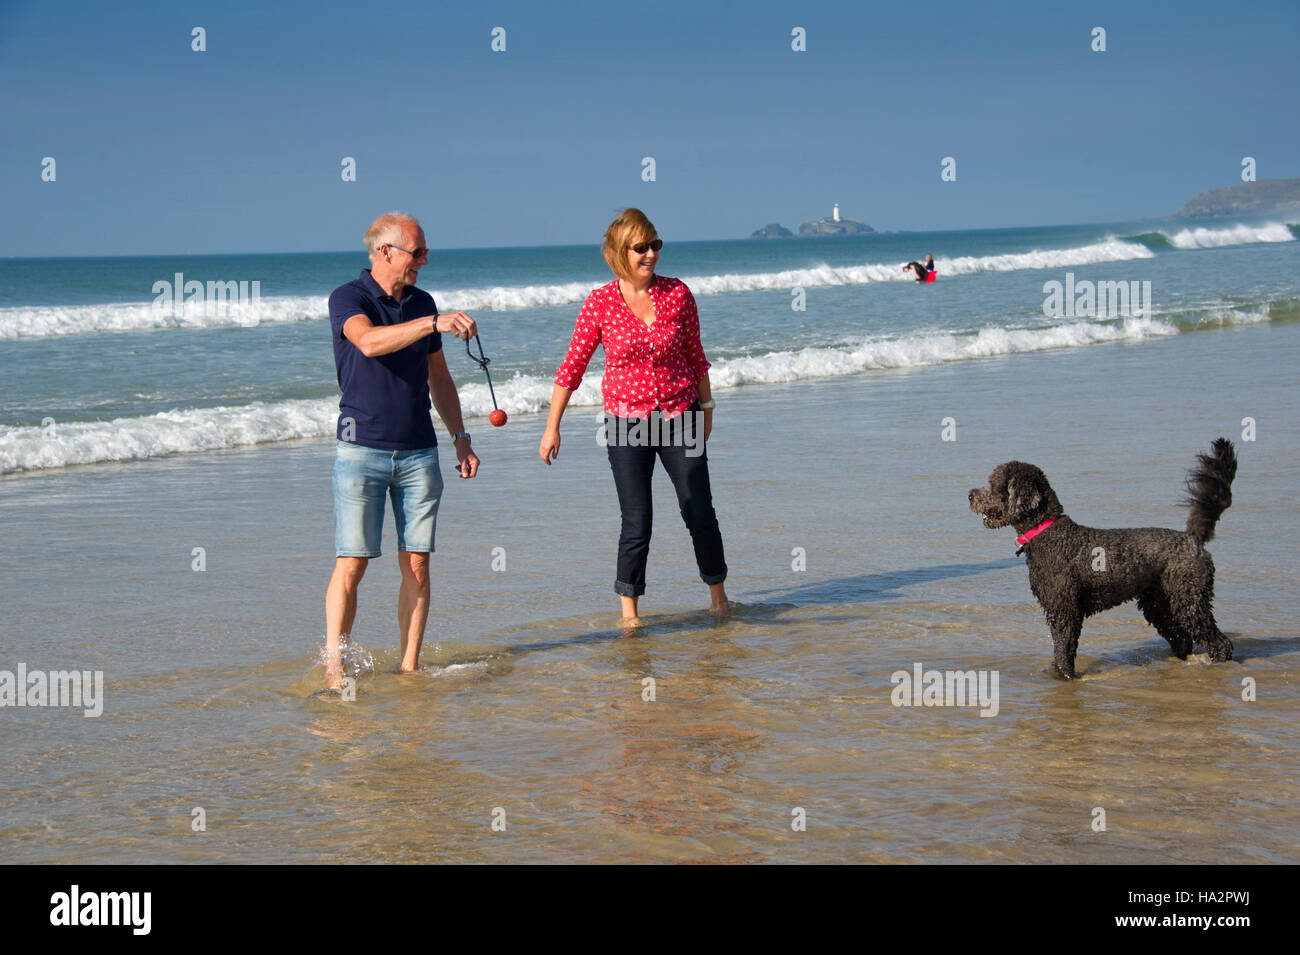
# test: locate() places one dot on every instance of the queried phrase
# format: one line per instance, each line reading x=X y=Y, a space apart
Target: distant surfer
x=922 y=272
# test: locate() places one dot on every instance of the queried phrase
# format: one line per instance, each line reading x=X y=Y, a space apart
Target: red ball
x=497 y=417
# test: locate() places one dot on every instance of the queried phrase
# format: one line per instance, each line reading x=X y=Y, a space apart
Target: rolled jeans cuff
x=712 y=579
x=628 y=590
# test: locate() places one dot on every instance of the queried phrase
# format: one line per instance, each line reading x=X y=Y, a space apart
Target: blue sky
x=161 y=149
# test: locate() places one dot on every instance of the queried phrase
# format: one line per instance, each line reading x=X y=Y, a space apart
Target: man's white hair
x=387 y=230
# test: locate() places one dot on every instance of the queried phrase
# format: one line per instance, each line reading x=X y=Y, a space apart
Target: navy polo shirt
x=385 y=402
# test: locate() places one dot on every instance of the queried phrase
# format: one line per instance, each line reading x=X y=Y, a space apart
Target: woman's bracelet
x=707 y=405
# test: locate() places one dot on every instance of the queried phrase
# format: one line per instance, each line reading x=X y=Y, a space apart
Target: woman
x=657 y=402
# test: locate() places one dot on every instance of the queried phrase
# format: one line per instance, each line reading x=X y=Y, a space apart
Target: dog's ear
x=1024 y=491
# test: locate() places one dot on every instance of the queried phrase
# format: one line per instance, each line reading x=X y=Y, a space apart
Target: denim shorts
x=363 y=476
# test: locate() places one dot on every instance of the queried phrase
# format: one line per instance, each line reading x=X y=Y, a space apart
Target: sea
x=166 y=439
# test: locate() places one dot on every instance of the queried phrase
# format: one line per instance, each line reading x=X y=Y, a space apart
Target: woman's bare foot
x=630 y=617
x=720 y=606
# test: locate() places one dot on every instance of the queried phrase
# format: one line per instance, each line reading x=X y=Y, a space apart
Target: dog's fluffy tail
x=1209 y=489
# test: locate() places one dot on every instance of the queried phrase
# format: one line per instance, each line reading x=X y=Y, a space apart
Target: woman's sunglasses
x=640 y=249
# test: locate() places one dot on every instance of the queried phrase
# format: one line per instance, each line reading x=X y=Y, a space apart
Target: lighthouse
x=835 y=212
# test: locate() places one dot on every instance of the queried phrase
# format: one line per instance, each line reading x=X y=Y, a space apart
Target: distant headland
x=1248 y=198
x=826 y=225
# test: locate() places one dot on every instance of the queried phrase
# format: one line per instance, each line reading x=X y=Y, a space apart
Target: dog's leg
x=1198 y=620
x=1065 y=642
x=1192 y=607
x=1154 y=605
x=1220 y=647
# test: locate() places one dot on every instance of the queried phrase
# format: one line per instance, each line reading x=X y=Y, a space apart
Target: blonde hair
x=387 y=230
x=630 y=224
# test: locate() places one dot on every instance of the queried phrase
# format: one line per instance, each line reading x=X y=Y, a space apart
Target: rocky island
x=1249 y=198
x=826 y=225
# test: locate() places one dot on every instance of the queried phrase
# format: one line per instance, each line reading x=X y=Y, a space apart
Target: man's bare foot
x=332 y=657
x=629 y=623
x=334 y=678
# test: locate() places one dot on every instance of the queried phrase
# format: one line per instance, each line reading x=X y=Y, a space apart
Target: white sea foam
x=1204 y=238
x=170 y=432
x=479 y=666
x=816 y=276
x=53 y=321
x=126 y=439
x=918 y=350
x=499 y=298
x=49 y=321
x=1235 y=316
x=1111 y=250
x=524 y=394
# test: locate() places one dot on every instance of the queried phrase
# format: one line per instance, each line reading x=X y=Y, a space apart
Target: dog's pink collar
x=1027 y=536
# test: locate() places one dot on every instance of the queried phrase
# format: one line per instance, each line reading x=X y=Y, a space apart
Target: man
x=388 y=352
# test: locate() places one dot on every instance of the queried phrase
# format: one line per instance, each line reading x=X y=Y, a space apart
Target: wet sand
x=787 y=705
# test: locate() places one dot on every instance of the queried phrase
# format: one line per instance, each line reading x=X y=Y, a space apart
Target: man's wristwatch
x=460 y=434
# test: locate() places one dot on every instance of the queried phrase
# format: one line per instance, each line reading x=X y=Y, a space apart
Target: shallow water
x=209 y=675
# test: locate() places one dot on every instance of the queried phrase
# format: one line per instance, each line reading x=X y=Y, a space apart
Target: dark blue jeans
x=633 y=444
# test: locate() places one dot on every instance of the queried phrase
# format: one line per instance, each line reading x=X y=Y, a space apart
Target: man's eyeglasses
x=413 y=253
x=640 y=249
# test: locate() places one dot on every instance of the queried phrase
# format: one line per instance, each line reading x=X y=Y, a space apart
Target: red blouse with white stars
x=646 y=366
